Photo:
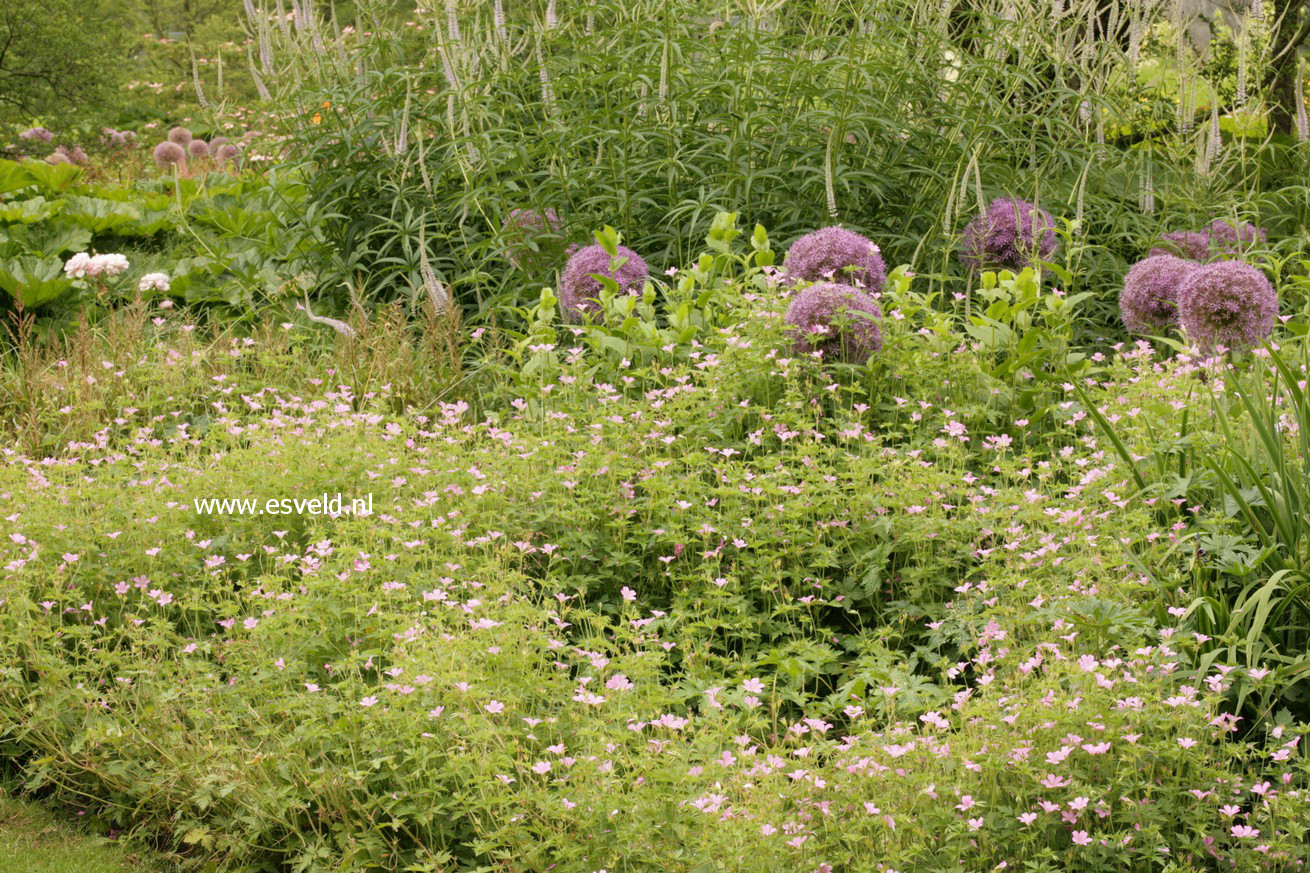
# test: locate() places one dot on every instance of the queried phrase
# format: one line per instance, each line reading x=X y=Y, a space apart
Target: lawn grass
x=33 y=840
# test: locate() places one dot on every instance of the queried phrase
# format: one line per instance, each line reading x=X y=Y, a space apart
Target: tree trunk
x=1290 y=31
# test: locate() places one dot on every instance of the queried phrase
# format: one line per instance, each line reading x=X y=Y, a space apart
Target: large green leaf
x=53 y=178
x=46 y=239
x=13 y=177
x=34 y=281
x=150 y=223
x=99 y=215
x=29 y=211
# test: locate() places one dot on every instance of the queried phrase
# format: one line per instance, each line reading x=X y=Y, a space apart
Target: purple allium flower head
x=39 y=134
x=1194 y=245
x=75 y=155
x=826 y=317
x=218 y=141
x=1227 y=303
x=180 y=135
x=117 y=139
x=522 y=229
x=198 y=148
x=169 y=154
x=578 y=290
x=1011 y=233
x=1232 y=239
x=836 y=254
x=57 y=158
x=227 y=152
x=1149 y=299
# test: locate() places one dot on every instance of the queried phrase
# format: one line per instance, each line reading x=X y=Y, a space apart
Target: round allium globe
x=826 y=318
x=524 y=227
x=227 y=152
x=1234 y=239
x=1149 y=299
x=198 y=148
x=180 y=135
x=578 y=291
x=218 y=141
x=836 y=254
x=169 y=154
x=1011 y=233
x=1228 y=303
x=57 y=158
x=1194 y=245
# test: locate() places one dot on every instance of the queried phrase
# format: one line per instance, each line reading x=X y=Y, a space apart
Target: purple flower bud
x=39 y=134
x=227 y=152
x=524 y=228
x=169 y=154
x=1233 y=239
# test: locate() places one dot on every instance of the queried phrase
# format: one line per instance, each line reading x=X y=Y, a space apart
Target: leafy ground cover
x=684 y=550
x=649 y=604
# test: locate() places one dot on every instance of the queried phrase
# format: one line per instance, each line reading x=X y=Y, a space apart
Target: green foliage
x=615 y=602
x=655 y=117
x=222 y=239
x=59 y=59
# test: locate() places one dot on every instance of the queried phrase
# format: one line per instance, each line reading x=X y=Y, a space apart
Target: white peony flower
x=109 y=265
x=153 y=282
x=78 y=266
